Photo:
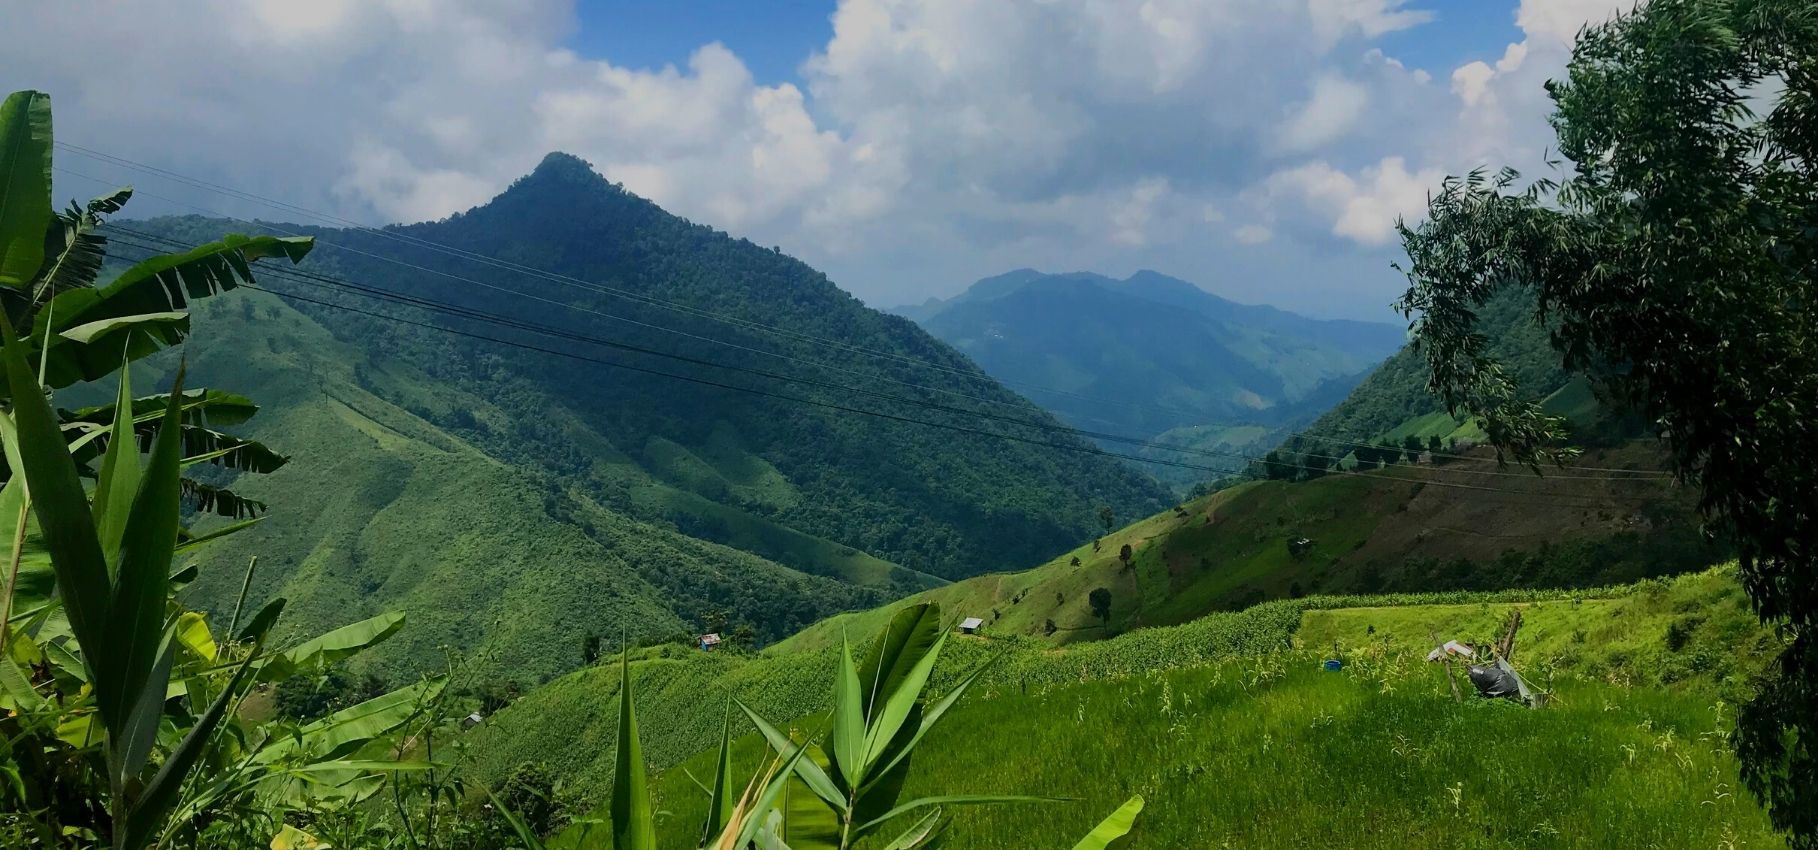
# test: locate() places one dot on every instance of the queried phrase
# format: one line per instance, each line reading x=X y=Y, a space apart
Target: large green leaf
x=160 y=794
x=73 y=251
x=25 y=185
x=1116 y=826
x=757 y=815
x=200 y=405
x=351 y=728
x=68 y=528
x=917 y=834
x=118 y=480
x=332 y=646
x=35 y=582
x=811 y=773
x=897 y=650
x=899 y=755
x=848 y=738
x=142 y=589
x=722 y=798
x=633 y=824
x=143 y=309
x=220 y=501
x=889 y=720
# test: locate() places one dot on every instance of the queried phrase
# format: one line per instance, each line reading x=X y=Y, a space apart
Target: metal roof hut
x=710 y=641
x=971 y=625
x=471 y=720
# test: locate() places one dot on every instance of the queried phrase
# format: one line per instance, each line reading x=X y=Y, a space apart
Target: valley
x=480 y=432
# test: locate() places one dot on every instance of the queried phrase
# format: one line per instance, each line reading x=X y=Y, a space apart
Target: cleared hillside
x=1233 y=740
x=612 y=266
x=383 y=510
x=1465 y=525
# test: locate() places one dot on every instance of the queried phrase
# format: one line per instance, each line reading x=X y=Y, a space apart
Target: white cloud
x=1335 y=105
x=1252 y=234
x=929 y=141
x=1362 y=208
x=1558 y=21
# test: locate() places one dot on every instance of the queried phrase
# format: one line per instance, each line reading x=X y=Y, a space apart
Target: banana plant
x=879 y=717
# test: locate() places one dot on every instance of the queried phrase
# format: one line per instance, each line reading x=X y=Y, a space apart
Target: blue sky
x=773 y=37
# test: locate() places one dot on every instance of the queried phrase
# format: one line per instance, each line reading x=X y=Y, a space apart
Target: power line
x=1341 y=442
x=308 y=278
x=1076 y=447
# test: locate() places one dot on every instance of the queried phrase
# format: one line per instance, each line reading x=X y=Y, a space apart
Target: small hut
x=971 y=625
x=471 y=720
x=710 y=641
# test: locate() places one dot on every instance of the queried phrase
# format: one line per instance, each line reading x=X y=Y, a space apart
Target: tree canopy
x=1675 y=254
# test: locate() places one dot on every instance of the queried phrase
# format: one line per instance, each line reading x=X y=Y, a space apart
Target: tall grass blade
x=64 y=519
x=721 y=803
x=161 y=793
x=142 y=586
x=633 y=826
x=118 y=481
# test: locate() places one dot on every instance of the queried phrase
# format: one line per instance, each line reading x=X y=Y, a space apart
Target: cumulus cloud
x=929 y=142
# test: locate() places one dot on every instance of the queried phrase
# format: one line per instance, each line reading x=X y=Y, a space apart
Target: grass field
x=1278 y=754
x=1239 y=741
x=1388 y=531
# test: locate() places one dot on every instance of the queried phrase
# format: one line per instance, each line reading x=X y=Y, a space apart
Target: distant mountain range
x=1153 y=355
x=512 y=500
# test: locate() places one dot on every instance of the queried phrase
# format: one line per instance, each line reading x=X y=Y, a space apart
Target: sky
x=1263 y=149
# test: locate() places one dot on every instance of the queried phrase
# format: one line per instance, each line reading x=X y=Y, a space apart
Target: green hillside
x=1396 y=391
x=384 y=510
x=1234 y=740
x=1152 y=356
x=1385 y=531
x=932 y=500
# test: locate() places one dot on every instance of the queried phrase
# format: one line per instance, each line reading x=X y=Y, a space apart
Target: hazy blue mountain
x=1153 y=354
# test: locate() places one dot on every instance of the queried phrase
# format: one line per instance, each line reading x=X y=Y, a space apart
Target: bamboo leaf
x=887 y=722
x=261 y=622
x=633 y=827
x=811 y=773
x=722 y=798
x=61 y=507
x=142 y=583
x=525 y=835
x=949 y=800
x=351 y=728
x=119 y=477
x=160 y=793
x=758 y=814
x=25 y=185
x=916 y=834
x=1116 y=826
x=910 y=635
x=848 y=738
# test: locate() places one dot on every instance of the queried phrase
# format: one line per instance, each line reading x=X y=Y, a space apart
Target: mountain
x=1151 y=353
x=511 y=497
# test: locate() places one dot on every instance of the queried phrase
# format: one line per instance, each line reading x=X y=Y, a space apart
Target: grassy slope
x=1262 y=750
x=1229 y=549
x=383 y=510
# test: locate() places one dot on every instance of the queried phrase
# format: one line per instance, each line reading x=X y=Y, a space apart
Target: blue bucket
x=1334 y=665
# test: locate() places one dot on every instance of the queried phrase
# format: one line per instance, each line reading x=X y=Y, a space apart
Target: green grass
x=1237 y=743
x=569 y=724
x=383 y=510
x=1229 y=550
x=1277 y=754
